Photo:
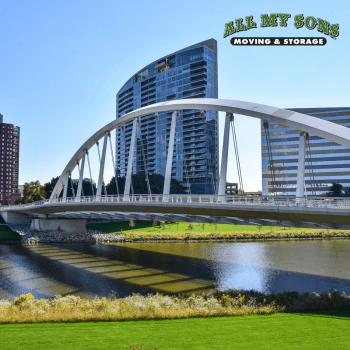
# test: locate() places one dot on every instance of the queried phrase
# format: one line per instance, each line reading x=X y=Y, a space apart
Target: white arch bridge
x=219 y=208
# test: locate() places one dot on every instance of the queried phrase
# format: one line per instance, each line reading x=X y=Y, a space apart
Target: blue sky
x=62 y=64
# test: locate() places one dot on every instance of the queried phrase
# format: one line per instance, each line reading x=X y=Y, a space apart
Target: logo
x=281 y=19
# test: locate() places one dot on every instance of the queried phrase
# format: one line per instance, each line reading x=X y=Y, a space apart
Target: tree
x=191 y=226
x=49 y=186
x=86 y=188
x=162 y=225
x=32 y=192
x=347 y=192
x=336 y=190
x=139 y=184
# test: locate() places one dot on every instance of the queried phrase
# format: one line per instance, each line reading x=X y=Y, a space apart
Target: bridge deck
x=320 y=210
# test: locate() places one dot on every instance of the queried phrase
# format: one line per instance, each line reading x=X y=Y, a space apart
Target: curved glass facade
x=325 y=161
x=188 y=73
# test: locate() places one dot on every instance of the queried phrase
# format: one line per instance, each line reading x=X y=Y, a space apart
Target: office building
x=325 y=162
x=188 y=73
x=9 y=135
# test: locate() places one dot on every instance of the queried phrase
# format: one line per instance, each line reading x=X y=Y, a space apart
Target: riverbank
x=147 y=231
x=71 y=308
x=7 y=235
x=100 y=233
x=91 y=236
x=234 y=236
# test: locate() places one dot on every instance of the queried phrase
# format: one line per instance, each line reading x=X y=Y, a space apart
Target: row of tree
x=337 y=190
x=34 y=191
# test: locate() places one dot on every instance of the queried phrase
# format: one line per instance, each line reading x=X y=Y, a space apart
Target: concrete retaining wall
x=59 y=225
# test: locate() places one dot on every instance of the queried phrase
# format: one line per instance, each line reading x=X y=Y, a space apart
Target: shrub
x=72 y=308
x=191 y=226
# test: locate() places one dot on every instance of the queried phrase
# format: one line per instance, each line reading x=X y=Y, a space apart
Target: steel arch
x=322 y=128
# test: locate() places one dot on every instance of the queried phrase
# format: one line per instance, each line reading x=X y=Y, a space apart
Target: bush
x=191 y=226
x=242 y=235
x=71 y=308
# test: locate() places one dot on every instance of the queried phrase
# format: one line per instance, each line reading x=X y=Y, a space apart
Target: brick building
x=9 y=138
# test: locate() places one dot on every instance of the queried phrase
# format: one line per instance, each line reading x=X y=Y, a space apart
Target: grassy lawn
x=6 y=234
x=276 y=331
x=146 y=226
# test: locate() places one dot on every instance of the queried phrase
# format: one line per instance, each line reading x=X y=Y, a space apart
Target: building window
x=140 y=76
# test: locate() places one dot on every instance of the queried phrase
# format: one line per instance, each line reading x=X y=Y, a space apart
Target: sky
x=62 y=64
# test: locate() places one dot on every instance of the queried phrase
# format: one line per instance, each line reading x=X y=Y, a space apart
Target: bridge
x=299 y=211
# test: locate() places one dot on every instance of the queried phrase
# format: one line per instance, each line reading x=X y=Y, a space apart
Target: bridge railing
x=324 y=202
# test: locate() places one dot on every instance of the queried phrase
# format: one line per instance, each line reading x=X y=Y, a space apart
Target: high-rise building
x=9 y=136
x=189 y=73
x=325 y=161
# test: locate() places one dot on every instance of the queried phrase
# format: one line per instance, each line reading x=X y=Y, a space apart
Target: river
x=87 y=270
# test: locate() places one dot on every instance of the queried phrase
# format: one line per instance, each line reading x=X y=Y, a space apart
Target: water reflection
x=88 y=270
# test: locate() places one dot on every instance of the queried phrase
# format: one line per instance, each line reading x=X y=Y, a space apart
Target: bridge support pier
x=15 y=218
x=59 y=225
x=300 y=191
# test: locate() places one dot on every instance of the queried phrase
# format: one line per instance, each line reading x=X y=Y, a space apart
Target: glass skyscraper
x=325 y=162
x=189 y=73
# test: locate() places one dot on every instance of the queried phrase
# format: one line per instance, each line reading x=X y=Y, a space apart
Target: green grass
x=276 y=331
x=6 y=234
x=146 y=226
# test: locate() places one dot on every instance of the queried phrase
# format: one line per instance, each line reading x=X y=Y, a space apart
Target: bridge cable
x=237 y=155
x=312 y=175
x=99 y=158
x=269 y=151
x=184 y=161
x=112 y=155
x=82 y=190
x=209 y=164
x=144 y=160
x=131 y=185
x=92 y=186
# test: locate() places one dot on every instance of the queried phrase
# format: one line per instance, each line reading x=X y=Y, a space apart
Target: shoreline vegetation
x=8 y=235
x=138 y=231
x=71 y=308
x=147 y=231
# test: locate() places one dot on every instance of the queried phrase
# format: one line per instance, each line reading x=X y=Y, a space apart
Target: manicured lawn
x=277 y=331
x=6 y=234
x=146 y=226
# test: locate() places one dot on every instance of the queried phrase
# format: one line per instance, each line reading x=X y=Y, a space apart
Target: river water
x=46 y=270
